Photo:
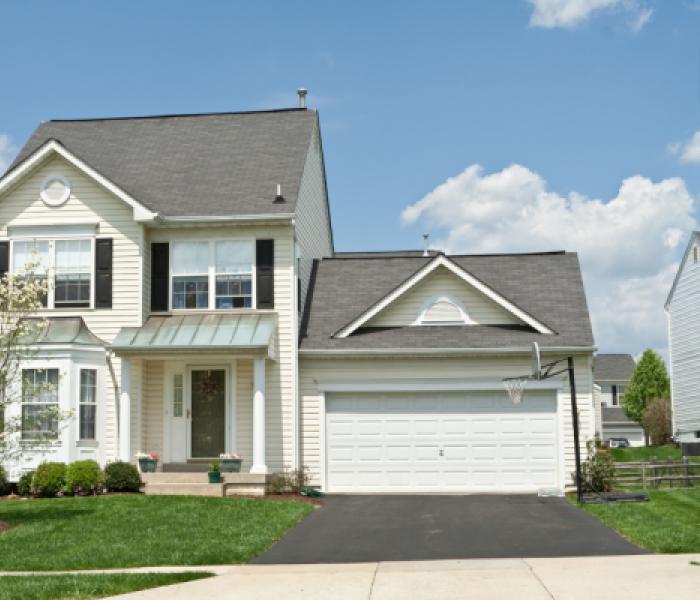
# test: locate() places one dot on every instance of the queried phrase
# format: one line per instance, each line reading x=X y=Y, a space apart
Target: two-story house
x=682 y=309
x=196 y=307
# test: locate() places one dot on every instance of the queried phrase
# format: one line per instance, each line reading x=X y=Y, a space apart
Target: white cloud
x=569 y=14
x=7 y=152
x=688 y=152
x=628 y=246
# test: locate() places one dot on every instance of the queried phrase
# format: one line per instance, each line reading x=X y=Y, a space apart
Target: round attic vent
x=55 y=190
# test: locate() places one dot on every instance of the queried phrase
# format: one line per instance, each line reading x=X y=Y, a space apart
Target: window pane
x=87 y=421
x=30 y=251
x=234 y=256
x=233 y=291
x=73 y=266
x=39 y=403
x=191 y=292
x=177 y=395
x=190 y=257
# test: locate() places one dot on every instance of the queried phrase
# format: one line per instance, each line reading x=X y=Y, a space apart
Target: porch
x=194 y=388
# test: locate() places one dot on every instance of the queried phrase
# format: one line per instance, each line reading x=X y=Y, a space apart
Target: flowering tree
x=21 y=296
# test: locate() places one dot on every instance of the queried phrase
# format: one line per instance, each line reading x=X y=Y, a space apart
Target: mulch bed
x=5 y=526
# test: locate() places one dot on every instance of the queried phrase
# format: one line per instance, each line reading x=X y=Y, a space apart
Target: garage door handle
x=442 y=452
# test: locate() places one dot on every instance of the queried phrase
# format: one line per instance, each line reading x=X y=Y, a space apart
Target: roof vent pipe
x=279 y=197
x=426 y=237
x=302 y=97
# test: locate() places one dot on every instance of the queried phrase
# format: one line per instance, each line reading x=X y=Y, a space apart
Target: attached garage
x=472 y=441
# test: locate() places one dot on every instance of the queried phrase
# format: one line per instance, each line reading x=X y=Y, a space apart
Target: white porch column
x=259 y=465
x=125 y=412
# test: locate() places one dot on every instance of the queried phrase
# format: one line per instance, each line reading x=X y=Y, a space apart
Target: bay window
x=212 y=275
x=39 y=404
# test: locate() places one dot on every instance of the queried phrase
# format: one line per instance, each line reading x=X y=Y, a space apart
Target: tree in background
x=657 y=421
x=649 y=382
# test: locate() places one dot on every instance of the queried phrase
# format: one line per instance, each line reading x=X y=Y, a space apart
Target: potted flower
x=148 y=462
x=230 y=463
x=214 y=473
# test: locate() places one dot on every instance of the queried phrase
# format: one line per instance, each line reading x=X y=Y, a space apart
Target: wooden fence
x=655 y=474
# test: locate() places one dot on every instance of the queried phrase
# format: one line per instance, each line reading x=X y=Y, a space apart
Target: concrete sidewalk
x=646 y=577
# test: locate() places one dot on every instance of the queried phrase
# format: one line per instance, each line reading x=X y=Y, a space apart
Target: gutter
x=227 y=218
x=440 y=351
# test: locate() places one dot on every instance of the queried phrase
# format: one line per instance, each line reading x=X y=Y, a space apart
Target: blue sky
x=558 y=102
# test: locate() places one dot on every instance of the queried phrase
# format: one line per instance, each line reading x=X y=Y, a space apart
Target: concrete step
x=184 y=489
x=190 y=467
x=175 y=477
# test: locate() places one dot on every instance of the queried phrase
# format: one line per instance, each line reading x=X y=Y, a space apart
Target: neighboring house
x=683 y=308
x=612 y=372
x=196 y=309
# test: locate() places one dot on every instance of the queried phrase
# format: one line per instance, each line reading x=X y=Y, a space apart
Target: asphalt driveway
x=394 y=528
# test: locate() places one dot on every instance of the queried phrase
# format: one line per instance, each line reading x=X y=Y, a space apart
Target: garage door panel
x=441 y=442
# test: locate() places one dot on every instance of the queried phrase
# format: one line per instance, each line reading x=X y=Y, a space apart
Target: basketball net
x=515 y=386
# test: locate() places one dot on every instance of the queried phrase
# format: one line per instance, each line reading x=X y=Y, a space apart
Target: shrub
x=656 y=421
x=122 y=477
x=84 y=477
x=24 y=485
x=49 y=480
x=598 y=471
x=4 y=484
x=289 y=482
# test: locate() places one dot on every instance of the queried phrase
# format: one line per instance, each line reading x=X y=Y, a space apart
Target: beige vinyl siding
x=442 y=282
x=406 y=369
x=89 y=202
x=151 y=431
x=280 y=376
x=313 y=227
x=684 y=348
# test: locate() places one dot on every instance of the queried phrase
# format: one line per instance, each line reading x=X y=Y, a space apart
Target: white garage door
x=461 y=442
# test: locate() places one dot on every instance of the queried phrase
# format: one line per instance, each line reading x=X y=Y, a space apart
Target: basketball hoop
x=515 y=386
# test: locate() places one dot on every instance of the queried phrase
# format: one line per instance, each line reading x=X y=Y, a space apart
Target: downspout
x=117 y=391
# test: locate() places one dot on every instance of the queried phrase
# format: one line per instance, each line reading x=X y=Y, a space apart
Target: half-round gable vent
x=443 y=311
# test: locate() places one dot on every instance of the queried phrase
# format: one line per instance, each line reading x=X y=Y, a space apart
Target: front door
x=208 y=394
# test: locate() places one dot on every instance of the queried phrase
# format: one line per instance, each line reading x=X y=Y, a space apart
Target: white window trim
x=51 y=267
x=428 y=304
x=211 y=273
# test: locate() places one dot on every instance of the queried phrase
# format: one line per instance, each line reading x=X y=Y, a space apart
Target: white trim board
x=442 y=261
x=141 y=213
x=427 y=385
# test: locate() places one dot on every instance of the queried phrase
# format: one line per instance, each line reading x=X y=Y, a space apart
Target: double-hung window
x=66 y=265
x=190 y=268
x=34 y=254
x=212 y=275
x=88 y=404
x=234 y=274
x=39 y=404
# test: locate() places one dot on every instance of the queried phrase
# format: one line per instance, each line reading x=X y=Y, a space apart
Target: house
x=611 y=374
x=197 y=307
x=682 y=308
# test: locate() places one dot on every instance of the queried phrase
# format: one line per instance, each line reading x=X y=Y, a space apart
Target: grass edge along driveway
x=669 y=523
x=79 y=587
x=133 y=531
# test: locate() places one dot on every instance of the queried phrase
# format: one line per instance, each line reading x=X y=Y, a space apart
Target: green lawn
x=135 y=530
x=646 y=453
x=669 y=523
x=53 y=587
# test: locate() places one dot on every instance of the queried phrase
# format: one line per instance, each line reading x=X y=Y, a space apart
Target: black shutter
x=103 y=273
x=265 y=273
x=4 y=258
x=160 y=267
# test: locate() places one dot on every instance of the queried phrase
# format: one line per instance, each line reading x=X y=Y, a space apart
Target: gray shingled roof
x=193 y=165
x=615 y=415
x=548 y=286
x=613 y=367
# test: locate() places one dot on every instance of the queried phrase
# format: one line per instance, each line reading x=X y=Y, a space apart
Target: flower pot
x=231 y=465
x=148 y=465
x=214 y=477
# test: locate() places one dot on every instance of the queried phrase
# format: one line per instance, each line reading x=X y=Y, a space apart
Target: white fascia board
x=438 y=261
x=428 y=385
x=693 y=238
x=330 y=353
x=226 y=218
x=141 y=213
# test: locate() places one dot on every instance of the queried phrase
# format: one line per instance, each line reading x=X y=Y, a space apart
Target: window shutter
x=160 y=267
x=4 y=258
x=265 y=273
x=103 y=273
